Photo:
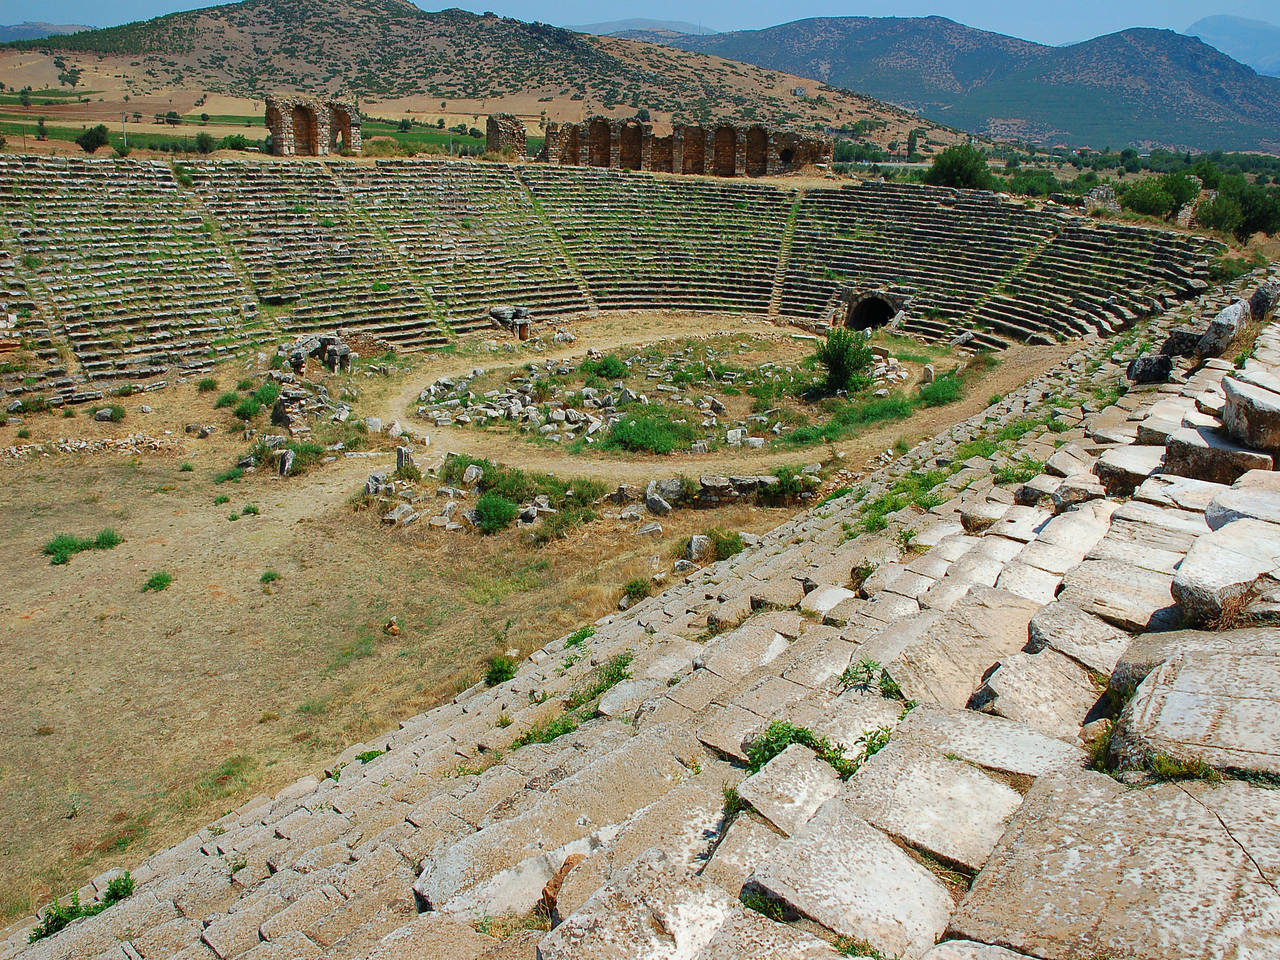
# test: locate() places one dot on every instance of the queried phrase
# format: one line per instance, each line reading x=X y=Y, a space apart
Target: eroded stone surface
x=1089 y=867
x=1089 y=640
x=992 y=742
x=1219 y=708
x=1224 y=566
x=947 y=808
x=789 y=788
x=842 y=873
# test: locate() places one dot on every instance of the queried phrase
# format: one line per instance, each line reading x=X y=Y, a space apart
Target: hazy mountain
x=31 y=30
x=1141 y=86
x=614 y=27
x=1252 y=42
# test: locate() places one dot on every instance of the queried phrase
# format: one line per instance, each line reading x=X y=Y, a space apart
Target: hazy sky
x=1045 y=22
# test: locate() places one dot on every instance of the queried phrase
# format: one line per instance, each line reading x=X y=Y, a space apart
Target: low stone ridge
x=993 y=744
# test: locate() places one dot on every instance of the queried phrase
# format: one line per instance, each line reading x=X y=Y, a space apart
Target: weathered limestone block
x=1090 y=867
x=1076 y=489
x=747 y=842
x=790 y=788
x=1221 y=708
x=1207 y=454
x=1089 y=640
x=1150 y=650
x=1223 y=328
x=1044 y=690
x=1240 y=503
x=981 y=514
x=431 y=936
x=1130 y=598
x=968 y=950
x=1251 y=414
x=944 y=807
x=1152 y=368
x=1121 y=469
x=850 y=878
x=1226 y=568
x=1069 y=459
x=1185 y=493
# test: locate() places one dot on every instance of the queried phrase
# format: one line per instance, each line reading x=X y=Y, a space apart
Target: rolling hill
x=31 y=30
x=397 y=58
x=1141 y=86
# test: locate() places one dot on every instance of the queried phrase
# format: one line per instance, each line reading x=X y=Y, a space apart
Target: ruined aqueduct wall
x=307 y=127
x=721 y=149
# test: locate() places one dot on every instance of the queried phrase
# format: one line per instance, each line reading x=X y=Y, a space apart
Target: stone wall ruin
x=721 y=150
x=309 y=127
x=505 y=133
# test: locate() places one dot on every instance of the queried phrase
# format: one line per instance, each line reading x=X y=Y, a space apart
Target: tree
x=1222 y=213
x=93 y=138
x=1148 y=197
x=845 y=356
x=404 y=125
x=172 y=118
x=204 y=118
x=205 y=142
x=41 y=132
x=913 y=138
x=961 y=165
x=1180 y=187
x=643 y=114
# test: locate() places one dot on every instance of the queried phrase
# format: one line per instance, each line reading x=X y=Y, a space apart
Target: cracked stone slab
x=968 y=950
x=1044 y=690
x=747 y=842
x=1240 y=503
x=1207 y=454
x=1216 y=707
x=847 y=876
x=944 y=807
x=651 y=910
x=1131 y=598
x=1121 y=469
x=1090 y=867
x=945 y=664
x=1223 y=566
x=1151 y=649
x=988 y=741
x=788 y=789
x=1185 y=493
x=1089 y=640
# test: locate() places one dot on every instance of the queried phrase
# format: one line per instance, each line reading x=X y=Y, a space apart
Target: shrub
x=1148 y=197
x=232 y=475
x=247 y=409
x=961 y=165
x=268 y=576
x=117 y=412
x=228 y=399
x=946 y=389
x=93 y=138
x=725 y=543
x=495 y=512
x=244 y=385
x=845 y=356
x=781 y=735
x=501 y=668
x=637 y=588
x=207 y=385
x=63 y=547
x=24 y=434
x=607 y=368
x=157 y=581
x=647 y=433
x=186 y=468
x=250 y=510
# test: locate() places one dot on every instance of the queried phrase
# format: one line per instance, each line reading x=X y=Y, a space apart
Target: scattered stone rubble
x=588 y=413
x=978 y=641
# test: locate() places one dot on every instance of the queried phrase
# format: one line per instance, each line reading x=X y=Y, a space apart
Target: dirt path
x=1017 y=365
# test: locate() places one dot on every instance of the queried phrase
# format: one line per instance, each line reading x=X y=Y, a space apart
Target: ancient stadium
x=435 y=558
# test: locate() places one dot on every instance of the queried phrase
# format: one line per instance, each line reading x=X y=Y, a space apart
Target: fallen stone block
x=1044 y=690
x=1151 y=368
x=1091 y=868
x=788 y=789
x=848 y=877
x=1207 y=454
x=1121 y=469
x=1218 y=708
x=1130 y=598
x=1226 y=569
x=945 y=808
x=1251 y=414
x=1089 y=640
x=1241 y=503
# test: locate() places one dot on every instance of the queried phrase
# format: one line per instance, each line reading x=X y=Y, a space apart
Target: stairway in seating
x=784 y=256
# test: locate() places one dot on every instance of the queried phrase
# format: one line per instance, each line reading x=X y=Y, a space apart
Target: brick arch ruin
x=721 y=149
x=308 y=127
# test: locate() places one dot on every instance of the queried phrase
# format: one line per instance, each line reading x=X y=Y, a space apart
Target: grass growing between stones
x=781 y=734
x=63 y=547
x=58 y=915
x=581 y=702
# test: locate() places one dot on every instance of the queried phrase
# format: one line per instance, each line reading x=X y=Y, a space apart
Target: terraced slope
x=133 y=268
x=938 y=801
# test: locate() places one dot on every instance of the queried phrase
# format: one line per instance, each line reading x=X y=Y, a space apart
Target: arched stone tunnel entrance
x=306 y=138
x=869 y=312
x=598 y=143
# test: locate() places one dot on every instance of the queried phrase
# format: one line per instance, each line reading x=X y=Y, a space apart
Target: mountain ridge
x=1255 y=43
x=1141 y=86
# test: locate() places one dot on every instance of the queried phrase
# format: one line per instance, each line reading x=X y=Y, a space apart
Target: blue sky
x=1045 y=22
